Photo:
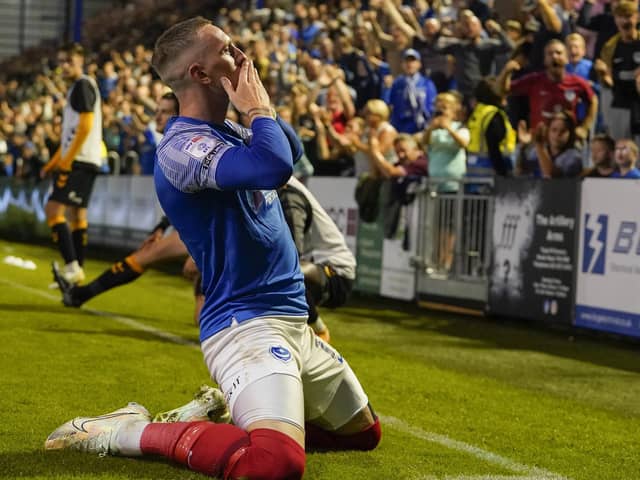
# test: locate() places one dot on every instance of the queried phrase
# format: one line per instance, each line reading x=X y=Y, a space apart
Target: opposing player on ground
x=328 y=265
x=216 y=181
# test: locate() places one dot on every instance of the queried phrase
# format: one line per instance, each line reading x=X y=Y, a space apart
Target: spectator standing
x=554 y=147
x=492 y=139
x=360 y=74
x=579 y=65
x=548 y=20
x=434 y=63
x=411 y=96
x=398 y=40
x=378 y=135
x=602 y=23
x=412 y=161
x=602 y=151
x=552 y=90
x=167 y=108
x=618 y=67
x=446 y=139
x=626 y=157
x=474 y=53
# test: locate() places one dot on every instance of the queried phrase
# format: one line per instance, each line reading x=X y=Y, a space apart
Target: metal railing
x=456 y=220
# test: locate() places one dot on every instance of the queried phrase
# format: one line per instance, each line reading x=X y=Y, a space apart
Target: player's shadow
x=505 y=333
x=41 y=464
x=25 y=307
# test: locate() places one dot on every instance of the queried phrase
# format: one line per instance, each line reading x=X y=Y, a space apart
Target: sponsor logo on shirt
x=260 y=197
x=199 y=146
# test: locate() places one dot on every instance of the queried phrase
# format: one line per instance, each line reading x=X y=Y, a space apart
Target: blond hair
x=450 y=99
x=632 y=146
x=574 y=36
x=625 y=8
x=378 y=107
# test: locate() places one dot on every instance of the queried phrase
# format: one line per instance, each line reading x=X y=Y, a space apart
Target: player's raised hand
x=250 y=93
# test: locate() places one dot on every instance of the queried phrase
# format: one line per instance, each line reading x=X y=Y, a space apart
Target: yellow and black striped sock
x=61 y=236
x=80 y=240
x=120 y=273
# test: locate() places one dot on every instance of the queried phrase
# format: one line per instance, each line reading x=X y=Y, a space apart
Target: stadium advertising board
x=398 y=276
x=382 y=250
x=534 y=236
x=22 y=215
x=609 y=257
x=336 y=197
x=369 y=256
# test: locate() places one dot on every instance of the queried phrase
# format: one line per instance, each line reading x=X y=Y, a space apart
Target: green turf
x=535 y=398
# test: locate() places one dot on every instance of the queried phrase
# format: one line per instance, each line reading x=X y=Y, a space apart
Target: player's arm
x=83 y=129
x=162 y=225
x=53 y=162
x=265 y=164
x=292 y=138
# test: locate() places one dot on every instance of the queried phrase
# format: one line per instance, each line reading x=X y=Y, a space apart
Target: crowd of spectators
x=446 y=88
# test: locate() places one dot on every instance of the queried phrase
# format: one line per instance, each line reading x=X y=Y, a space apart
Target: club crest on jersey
x=199 y=146
x=570 y=95
x=280 y=353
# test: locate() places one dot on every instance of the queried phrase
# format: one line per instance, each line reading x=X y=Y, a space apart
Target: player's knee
x=370 y=437
x=271 y=456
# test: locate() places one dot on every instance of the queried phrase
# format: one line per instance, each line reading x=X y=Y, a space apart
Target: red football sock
x=220 y=449
x=271 y=456
x=319 y=439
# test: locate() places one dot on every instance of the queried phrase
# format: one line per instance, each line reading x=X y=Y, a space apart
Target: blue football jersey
x=216 y=183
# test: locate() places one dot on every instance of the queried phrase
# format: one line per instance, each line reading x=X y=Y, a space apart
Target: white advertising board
x=336 y=195
x=609 y=256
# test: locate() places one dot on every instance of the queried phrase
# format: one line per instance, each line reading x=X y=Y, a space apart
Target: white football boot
x=208 y=404
x=100 y=434
x=72 y=272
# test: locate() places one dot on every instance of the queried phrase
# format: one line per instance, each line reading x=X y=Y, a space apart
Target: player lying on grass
x=162 y=245
x=286 y=388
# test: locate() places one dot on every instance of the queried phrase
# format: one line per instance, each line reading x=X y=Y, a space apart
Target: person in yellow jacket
x=75 y=164
x=493 y=139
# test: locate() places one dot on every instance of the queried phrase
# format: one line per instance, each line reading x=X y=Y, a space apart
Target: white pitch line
x=484 y=477
x=130 y=322
x=529 y=472
x=489 y=457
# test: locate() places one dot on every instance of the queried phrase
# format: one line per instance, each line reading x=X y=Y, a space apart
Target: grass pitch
x=460 y=398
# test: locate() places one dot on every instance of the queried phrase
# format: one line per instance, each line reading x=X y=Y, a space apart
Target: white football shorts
x=278 y=369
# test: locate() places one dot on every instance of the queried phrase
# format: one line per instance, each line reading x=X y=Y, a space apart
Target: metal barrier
x=454 y=246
